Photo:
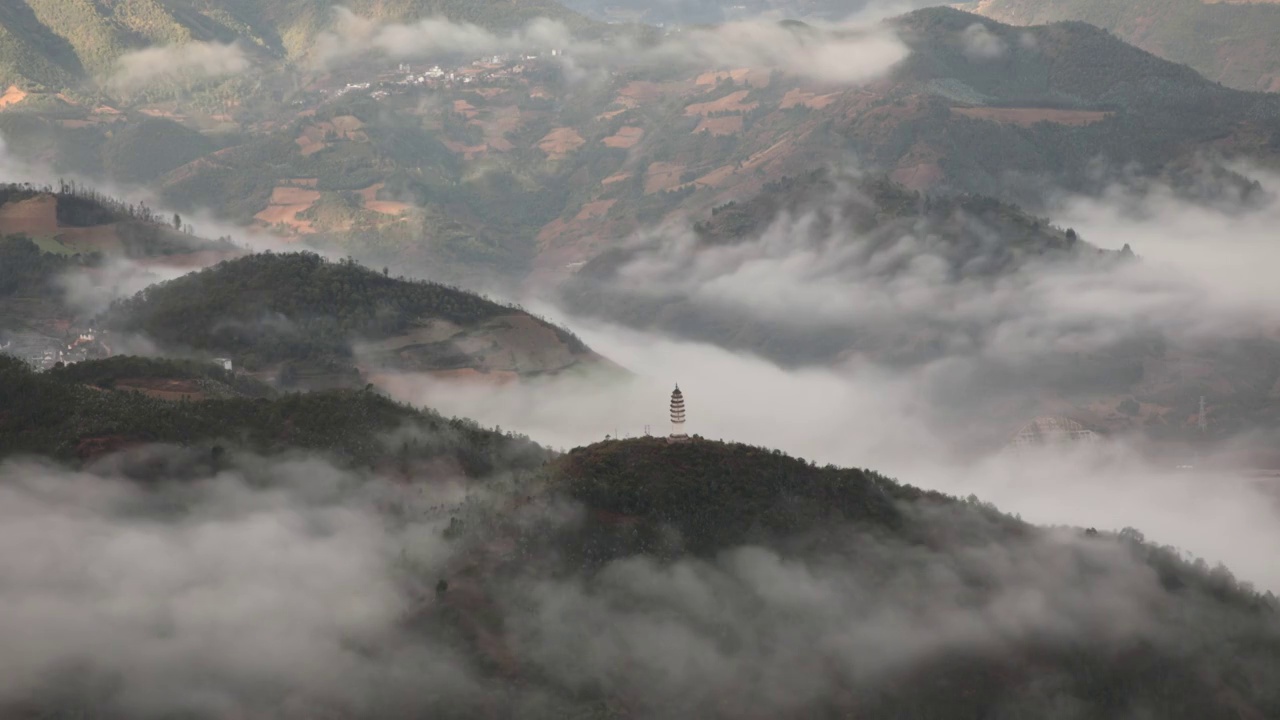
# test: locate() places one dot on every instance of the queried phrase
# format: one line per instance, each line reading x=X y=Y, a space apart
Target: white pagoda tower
x=677 y=417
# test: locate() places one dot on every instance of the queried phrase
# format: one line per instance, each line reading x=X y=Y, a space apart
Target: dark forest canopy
x=272 y=307
x=58 y=415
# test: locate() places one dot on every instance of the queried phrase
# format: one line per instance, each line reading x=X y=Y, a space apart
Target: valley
x=695 y=359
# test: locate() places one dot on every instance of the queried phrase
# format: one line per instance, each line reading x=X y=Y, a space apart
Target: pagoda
x=677 y=417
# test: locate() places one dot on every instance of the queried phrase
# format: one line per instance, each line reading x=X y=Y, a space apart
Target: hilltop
x=786 y=554
x=1233 y=43
x=972 y=238
x=303 y=320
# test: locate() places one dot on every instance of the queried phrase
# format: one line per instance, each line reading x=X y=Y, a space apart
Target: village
x=43 y=352
x=487 y=71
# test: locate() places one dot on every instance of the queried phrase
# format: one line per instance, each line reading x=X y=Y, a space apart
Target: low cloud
x=184 y=63
x=268 y=590
x=981 y=44
x=848 y=53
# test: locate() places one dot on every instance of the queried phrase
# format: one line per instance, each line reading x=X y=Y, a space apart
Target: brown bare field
x=729 y=125
x=639 y=92
x=662 y=176
x=283 y=195
x=754 y=78
x=1025 y=117
x=370 y=193
x=345 y=123
x=468 y=152
x=597 y=209
x=616 y=178
x=801 y=98
x=284 y=206
x=465 y=109
x=369 y=196
x=611 y=114
x=37 y=216
x=103 y=238
x=171 y=390
x=560 y=142
x=729 y=103
x=626 y=137
x=309 y=145
x=12 y=96
x=919 y=176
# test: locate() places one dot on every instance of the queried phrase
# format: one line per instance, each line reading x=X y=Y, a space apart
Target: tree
x=177 y=222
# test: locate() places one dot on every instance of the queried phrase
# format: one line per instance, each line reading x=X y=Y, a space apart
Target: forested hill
x=69 y=220
x=80 y=413
x=266 y=309
x=1064 y=64
x=972 y=238
x=1230 y=42
x=896 y=602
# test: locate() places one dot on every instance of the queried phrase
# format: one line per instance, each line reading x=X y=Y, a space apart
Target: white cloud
x=981 y=44
x=177 y=63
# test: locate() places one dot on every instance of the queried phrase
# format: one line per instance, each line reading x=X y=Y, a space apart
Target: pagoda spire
x=677 y=415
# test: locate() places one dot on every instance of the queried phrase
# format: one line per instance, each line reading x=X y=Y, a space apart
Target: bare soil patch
x=733 y=102
x=662 y=176
x=12 y=96
x=729 y=125
x=465 y=109
x=801 y=98
x=625 y=138
x=597 y=209
x=560 y=142
x=37 y=216
x=619 y=177
x=1025 y=117
x=284 y=206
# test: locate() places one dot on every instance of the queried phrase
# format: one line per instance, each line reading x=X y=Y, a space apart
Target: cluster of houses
x=43 y=352
x=482 y=71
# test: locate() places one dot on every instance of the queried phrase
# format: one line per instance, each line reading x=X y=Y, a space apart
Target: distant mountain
x=304 y=321
x=61 y=44
x=1234 y=43
x=906 y=280
x=970 y=238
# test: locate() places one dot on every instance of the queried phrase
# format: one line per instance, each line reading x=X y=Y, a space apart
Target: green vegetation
x=1232 y=43
x=266 y=308
x=109 y=372
x=1219 y=640
x=26 y=269
x=56 y=415
x=57 y=44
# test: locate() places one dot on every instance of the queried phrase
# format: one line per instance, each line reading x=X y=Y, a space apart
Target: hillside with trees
x=1233 y=43
x=68 y=415
x=57 y=45
x=298 y=309
x=731 y=550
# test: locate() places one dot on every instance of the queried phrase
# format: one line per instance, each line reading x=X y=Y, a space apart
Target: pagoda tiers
x=677 y=417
